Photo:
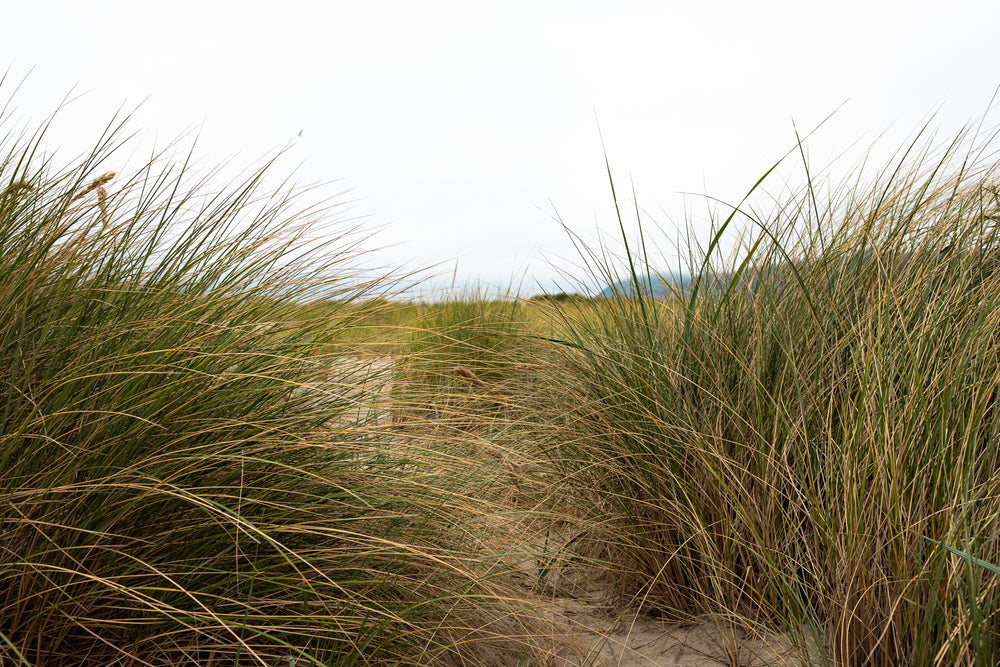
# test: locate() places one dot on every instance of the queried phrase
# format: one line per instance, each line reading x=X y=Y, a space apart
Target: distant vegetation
x=214 y=455
x=654 y=284
x=559 y=297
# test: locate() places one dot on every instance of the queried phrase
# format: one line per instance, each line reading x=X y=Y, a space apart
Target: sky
x=462 y=133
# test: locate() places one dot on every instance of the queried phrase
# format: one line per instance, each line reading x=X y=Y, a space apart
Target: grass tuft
x=184 y=474
x=795 y=446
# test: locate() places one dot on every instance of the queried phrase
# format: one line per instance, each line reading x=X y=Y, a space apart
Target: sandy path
x=366 y=381
x=594 y=636
x=582 y=628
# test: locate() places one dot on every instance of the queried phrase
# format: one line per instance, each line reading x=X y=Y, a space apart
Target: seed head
x=95 y=185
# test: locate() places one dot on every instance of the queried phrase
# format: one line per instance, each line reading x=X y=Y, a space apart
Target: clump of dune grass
x=807 y=439
x=183 y=477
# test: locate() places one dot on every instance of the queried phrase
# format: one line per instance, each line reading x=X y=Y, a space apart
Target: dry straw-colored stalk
x=15 y=186
x=102 y=194
x=95 y=185
x=464 y=372
x=102 y=204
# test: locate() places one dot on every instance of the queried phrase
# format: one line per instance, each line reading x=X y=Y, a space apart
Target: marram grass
x=183 y=479
x=805 y=442
x=811 y=443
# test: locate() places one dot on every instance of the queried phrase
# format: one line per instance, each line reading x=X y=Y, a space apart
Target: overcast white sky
x=462 y=127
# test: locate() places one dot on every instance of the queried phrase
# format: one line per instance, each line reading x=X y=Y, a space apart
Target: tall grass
x=460 y=354
x=811 y=444
x=182 y=477
x=195 y=467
